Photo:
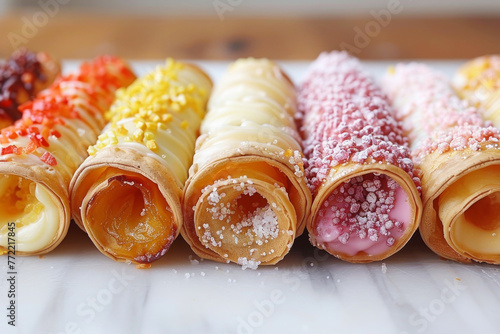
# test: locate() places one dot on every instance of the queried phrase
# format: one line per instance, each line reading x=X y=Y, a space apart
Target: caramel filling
x=128 y=217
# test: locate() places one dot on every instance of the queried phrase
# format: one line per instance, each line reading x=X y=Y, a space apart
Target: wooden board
x=84 y=35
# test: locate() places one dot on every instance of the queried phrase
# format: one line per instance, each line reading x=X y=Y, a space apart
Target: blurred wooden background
x=73 y=35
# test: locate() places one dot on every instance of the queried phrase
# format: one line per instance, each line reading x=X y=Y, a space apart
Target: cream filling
x=38 y=234
x=470 y=212
x=474 y=239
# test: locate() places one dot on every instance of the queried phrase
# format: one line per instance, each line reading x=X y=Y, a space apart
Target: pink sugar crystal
x=434 y=116
x=346 y=117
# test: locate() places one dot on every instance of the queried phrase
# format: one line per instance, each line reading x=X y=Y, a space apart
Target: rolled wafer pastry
x=459 y=157
x=366 y=191
x=478 y=81
x=22 y=76
x=127 y=194
x=40 y=152
x=246 y=198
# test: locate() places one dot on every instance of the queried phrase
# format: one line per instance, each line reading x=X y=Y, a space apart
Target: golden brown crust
x=127 y=159
x=227 y=160
x=439 y=171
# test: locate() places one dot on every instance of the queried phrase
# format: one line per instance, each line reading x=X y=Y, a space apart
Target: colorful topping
x=48 y=159
x=76 y=102
x=366 y=213
x=153 y=102
x=18 y=78
x=478 y=79
x=346 y=118
x=435 y=118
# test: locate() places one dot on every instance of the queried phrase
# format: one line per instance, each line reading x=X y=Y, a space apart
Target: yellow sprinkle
x=166 y=117
x=122 y=131
x=150 y=125
x=181 y=99
x=151 y=144
x=152 y=101
x=391 y=70
x=155 y=118
x=138 y=134
x=141 y=125
x=176 y=107
x=91 y=150
x=288 y=153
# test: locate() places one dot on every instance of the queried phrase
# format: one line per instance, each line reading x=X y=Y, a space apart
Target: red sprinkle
x=48 y=159
x=95 y=83
x=9 y=149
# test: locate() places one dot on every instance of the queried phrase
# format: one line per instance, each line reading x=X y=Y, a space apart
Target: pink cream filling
x=368 y=214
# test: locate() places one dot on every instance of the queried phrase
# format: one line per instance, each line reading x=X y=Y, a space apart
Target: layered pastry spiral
x=127 y=194
x=459 y=156
x=365 y=188
x=42 y=150
x=246 y=198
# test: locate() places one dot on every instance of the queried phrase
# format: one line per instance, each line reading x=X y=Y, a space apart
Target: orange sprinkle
x=55 y=133
x=55 y=105
x=30 y=148
x=48 y=159
x=9 y=149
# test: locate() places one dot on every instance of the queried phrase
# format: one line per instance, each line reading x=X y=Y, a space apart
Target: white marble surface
x=75 y=289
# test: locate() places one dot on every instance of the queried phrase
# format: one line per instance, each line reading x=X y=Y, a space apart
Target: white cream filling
x=476 y=239
x=35 y=235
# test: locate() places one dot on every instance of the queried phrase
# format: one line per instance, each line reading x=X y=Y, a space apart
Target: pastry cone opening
x=247 y=216
x=33 y=209
x=127 y=217
x=366 y=217
x=469 y=210
x=365 y=187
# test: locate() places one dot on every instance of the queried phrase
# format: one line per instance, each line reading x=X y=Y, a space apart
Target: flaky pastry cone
x=41 y=151
x=366 y=192
x=127 y=194
x=459 y=157
x=246 y=198
x=478 y=81
x=22 y=76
